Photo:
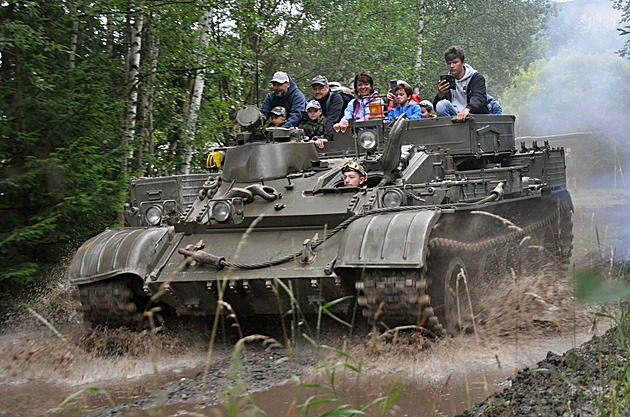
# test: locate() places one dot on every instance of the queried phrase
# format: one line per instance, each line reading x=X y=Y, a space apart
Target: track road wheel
x=113 y=303
x=456 y=314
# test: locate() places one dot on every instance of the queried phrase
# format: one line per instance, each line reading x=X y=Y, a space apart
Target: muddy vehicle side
x=277 y=230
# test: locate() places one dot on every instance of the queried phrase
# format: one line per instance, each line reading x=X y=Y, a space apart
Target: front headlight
x=367 y=139
x=154 y=215
x=222 y=211
x=393 y=198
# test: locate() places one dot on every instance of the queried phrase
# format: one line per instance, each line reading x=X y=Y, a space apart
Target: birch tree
x=419 y=60
x=135 y=46
x=197 y=92
x=147 y=93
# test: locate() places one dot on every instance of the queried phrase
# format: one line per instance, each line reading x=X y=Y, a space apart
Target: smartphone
x=450 y=79
x=393 y=84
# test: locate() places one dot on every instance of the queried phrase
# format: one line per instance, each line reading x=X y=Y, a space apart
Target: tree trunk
x=135 y=42
x=152 y=42
x=74 y=39
x=197 y=92
x=418 y=67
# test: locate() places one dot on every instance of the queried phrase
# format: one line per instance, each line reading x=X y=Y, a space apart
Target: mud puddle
x=447 y=378
x=417 y=398
x=162 y=376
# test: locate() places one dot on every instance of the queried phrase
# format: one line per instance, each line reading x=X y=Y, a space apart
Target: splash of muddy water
x=521 y=320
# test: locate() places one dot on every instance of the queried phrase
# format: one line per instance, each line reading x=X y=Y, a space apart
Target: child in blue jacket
x=403 y=95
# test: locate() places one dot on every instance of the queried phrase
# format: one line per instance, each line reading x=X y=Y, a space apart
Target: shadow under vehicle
x=276 y=228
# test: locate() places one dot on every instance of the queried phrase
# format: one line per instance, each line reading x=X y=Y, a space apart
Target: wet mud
x=103 y=372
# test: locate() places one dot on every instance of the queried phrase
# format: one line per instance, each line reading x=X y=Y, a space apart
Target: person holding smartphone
x=403 y=93
x=464 y=93
x=391 y=96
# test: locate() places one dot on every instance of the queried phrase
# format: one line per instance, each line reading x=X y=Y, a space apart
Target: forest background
x=95 y=92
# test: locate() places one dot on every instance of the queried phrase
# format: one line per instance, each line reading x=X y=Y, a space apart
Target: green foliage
x=624 y=30
x=59 y=156
x=498 y=37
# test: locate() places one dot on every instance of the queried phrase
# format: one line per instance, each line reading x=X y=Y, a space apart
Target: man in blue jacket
x=469 y=93
x=286 y=94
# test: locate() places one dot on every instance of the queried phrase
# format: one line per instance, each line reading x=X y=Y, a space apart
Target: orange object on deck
x=376 y=110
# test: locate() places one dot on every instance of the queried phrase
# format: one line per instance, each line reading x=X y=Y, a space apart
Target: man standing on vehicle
x=331 y=103
x=286 y=94
x=469 y=92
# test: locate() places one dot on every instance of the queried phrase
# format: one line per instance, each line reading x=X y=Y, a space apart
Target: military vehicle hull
x=448 y=210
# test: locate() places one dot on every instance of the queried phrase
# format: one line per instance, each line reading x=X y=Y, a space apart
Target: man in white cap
x=286 y=94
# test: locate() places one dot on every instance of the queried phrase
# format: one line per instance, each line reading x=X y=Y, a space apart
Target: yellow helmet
x=215 y=160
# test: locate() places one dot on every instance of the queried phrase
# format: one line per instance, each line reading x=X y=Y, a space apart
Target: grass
x=324 y=397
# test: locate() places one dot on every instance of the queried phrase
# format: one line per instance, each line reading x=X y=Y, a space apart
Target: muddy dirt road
x=169 y=373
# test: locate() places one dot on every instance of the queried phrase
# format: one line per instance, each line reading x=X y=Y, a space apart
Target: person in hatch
x=354 y=175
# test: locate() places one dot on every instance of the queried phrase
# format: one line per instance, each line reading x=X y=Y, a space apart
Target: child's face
x=278 y=120
x=314 y=113
x=425 y=112
x=401 y=98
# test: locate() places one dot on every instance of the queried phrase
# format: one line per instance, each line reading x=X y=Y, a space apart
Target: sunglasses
x=353 y=166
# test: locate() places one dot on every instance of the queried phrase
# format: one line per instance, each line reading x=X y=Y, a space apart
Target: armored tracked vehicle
x=447 y=210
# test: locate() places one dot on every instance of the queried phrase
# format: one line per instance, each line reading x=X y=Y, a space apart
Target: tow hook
x=308 y=255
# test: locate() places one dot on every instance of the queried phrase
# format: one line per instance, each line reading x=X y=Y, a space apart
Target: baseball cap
x=280 y=77
x=334 y=86
x=279 y=111
x=320 y=79
x=427 y=104
x=313 y=104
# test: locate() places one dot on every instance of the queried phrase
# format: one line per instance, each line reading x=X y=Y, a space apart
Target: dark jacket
x=293 y=101
x=475 y=95
x=332 y=108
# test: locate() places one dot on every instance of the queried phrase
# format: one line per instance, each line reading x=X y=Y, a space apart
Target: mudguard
x=390 y=240
x=119 y=251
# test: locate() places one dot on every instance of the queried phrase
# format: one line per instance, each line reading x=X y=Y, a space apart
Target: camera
x=450 y=79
